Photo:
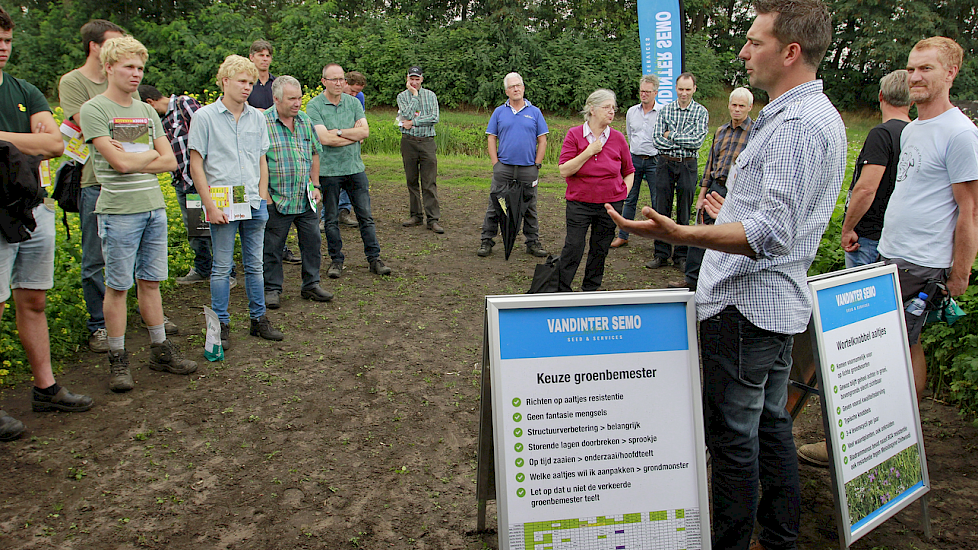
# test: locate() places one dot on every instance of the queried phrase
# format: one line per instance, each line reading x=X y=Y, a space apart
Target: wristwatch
x=339 y=132
x=539 y=166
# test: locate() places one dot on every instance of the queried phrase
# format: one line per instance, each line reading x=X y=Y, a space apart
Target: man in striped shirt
x=678 y=133
x=752 y=296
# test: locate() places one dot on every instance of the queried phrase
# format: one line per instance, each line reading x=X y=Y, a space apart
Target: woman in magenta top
x=597 y=165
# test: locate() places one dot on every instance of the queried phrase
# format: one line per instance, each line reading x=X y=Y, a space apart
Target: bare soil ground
x=360 y=429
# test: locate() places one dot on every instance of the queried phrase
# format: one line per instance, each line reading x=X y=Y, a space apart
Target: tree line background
x=563 y=48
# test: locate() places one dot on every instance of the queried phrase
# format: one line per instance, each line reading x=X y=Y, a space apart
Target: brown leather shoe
x=435 y=227
x=815 y=454
x=412 y=222
x=674 y=284
x=619 y=242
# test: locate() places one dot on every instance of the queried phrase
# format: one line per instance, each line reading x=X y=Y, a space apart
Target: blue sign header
x=846 y=304
x=592 y=330
x=660 y=29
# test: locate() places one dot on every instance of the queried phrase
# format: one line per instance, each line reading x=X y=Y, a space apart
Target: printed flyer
x=598 y=429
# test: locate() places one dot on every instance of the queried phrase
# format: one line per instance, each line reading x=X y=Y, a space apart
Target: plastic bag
x=213 y=351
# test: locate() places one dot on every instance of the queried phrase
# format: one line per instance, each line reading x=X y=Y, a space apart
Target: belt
x=417 y=138
x=675 y=159
x=644 y=157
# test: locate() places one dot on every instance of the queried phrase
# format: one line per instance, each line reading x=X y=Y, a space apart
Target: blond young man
x=130 y=148
x=228 y=142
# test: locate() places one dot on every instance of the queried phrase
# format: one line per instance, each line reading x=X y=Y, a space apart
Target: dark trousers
x=357 y=186
x=200 y=245
x=420 y=162
x=674 y=179
x=502 y=174
x=580 y=216
x=748 y=432
x=644 y=168
x=310 y=242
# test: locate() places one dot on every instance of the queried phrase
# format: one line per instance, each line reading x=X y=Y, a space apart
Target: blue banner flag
x=660 y=28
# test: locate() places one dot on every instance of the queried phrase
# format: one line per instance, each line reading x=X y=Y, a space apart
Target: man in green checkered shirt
x=293 y=170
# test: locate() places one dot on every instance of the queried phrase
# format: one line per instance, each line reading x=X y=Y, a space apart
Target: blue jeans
x=359 y=190
x=748 y=432
x=252 y=240
x=134 y=244
x=674 y=179
x=644 y=168
x=92 y=264
x=866 y=254
x=344 y=204
x=200 y=245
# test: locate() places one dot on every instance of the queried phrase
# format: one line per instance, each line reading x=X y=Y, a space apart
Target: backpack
x=67 y=190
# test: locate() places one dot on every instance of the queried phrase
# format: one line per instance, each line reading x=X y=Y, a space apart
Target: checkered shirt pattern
x=728 y=142
x=290 y=161
x=422 y=109
x=176 y=124
x=687 y=129
x=782 y=188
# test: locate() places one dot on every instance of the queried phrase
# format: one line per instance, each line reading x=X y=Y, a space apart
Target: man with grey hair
x=293 y=186
x=728 y=141
x=639 y=121
x=340 y=126
x=517 y=136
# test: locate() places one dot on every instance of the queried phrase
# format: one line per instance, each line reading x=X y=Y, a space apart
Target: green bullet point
x=835 y=389
x=521 y=492
x=838 y=410
x=517 y=417
x=518 y=432
x=516 y=402
x=832 y=367
x=842 y=435
x=519 y=462
x=843 y=447
x=840 y=422
x=845 y=460
x=519 y=447
x=520 y=477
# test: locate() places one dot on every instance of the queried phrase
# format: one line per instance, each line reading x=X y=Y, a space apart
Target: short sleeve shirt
x=337 y=161
x=882 y=148
x=136 y=126
x=261 y=94
x=517 y=132
x=19 y=101
x=232 y=151
x=290 y=157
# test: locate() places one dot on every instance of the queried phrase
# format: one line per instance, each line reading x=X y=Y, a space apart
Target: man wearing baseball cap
x=417 y=115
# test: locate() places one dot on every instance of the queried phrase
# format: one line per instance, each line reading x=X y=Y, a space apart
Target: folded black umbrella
x=510 y=208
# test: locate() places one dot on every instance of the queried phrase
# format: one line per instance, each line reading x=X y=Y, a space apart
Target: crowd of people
x=261 y=165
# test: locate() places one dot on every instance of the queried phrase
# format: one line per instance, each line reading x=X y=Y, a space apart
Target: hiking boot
x=290 y=258
x=377 y=266
x=655 y=263
x=225 y=336
x=263 y=327
x=64 y=400
x=815 y=454
x=335 y=270
x=192 y=277
x=485 y=248
x=348 y=219
x=412 y=222
x=98 y=342
x=536 y=249
x=166 y=356
x=273 y=299
x=680 y=265
x=120 y=379
x=10 y=427
x=433 y=226
x=316 y=294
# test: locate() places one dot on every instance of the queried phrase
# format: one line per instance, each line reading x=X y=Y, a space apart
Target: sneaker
x=335 y=270
x=815 y=454
x=169 y=327
x=166 y=356
x=536 y=249
x=433 y=226
x=64 y=400
x=656 y=263
x=316 y=294
x=192 y=277
x=121 y=379
x=225 y=336
x=99 y=341
x=273 y=299
x=412 y=221
x=10 y=427
x=347 y=218
x=377 y=266
x=232 y=282
x=263 y=327
x=485 y=248
x=290 y=257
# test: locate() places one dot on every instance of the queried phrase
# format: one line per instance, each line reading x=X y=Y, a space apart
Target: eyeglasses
x=646 y=91
x=334 y=80
x=511 y=86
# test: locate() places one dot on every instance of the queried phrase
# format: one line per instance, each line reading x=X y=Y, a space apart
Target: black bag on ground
x=67 y=190
x=545 y=276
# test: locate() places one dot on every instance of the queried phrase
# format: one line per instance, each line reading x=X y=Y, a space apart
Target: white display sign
x=870 y=404
x=597 y=420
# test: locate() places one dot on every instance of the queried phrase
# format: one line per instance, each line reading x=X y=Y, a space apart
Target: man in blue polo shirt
x=517 y=142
